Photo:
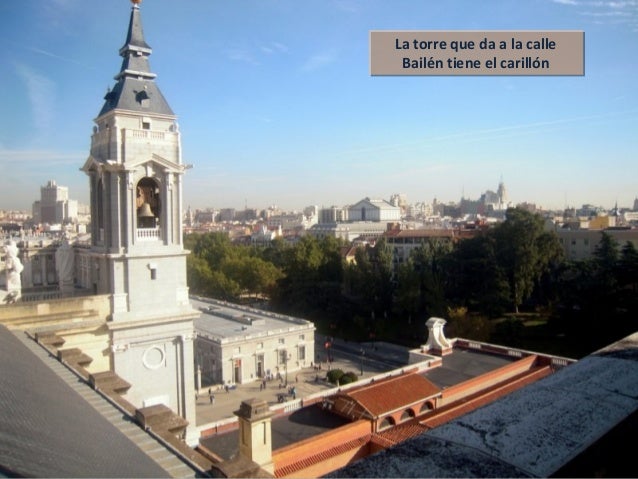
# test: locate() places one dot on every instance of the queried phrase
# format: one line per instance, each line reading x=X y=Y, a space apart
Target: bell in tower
x=145 y=216
x=137 y=256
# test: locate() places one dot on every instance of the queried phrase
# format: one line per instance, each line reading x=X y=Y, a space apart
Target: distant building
x=368 y=218
x=205 y=217
x=54 y=206
x=402 y=242
x=374 y=210
x=264 y=235
x=492 y=202
x=602 y=222
x=334 y=214
x=227 y=214
x=589 y=211
x=581 y=244
x=400 y=200
x=348 y=231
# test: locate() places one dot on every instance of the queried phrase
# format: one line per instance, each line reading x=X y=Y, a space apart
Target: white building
x=54 y=206
x=236 y=345
x=374 y=210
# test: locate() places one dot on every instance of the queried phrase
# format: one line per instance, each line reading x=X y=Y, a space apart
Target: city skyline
x=276 y=104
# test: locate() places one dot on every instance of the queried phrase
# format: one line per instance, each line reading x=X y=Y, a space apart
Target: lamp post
x=286 y=366
x=362 y=354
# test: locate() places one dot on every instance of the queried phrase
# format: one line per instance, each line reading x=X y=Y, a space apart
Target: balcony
x=148 y=234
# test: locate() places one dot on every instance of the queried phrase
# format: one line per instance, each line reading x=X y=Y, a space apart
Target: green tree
x=475 y=278
x=421 y=280
x=525 y=252
x=312 y=277
x=628 y=267
x=253 y=275
x=605 y=261
x=275 y=252
x=199 y=275
x=215 y=249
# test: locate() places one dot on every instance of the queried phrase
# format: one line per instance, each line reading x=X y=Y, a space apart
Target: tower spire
x=135 y=50
x=136 y=89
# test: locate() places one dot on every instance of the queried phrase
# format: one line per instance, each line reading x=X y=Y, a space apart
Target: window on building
x=283 y=356
x=282 y=340
x=302 y=337
x=302 y=353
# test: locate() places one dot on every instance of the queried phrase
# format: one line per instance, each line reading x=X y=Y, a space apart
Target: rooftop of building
x=532 y=432
x=225 y=322
x=313 y=420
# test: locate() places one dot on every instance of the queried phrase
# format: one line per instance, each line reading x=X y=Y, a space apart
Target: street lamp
x=286 y=357
x=362 y=354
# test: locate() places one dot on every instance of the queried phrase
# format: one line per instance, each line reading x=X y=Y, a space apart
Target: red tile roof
x=400 y=433
x=393 y=394
x=322 y=456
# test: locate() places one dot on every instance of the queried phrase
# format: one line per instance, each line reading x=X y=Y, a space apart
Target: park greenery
x=510 y=284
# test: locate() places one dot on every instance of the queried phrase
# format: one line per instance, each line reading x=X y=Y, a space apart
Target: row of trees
x=515 y=266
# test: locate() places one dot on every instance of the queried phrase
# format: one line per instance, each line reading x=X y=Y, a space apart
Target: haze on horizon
x=277 y=107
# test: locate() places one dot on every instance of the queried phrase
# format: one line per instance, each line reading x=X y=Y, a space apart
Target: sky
x=277 y=106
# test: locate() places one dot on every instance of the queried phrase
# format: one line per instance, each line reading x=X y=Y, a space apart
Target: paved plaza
x=307 y=381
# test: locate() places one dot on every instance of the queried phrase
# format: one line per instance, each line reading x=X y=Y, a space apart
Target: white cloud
x=273 y=47
x=242 y=56
x=318 y=61
x=57 y=57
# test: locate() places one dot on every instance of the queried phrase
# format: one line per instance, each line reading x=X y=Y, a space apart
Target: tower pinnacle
x=136 y=89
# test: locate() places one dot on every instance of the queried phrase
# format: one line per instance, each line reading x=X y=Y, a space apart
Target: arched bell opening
x=148 y=203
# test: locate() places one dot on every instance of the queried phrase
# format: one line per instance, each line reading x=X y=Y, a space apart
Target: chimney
x=255 y=438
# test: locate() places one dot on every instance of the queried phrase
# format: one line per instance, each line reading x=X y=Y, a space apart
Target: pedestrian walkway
x=306 y=381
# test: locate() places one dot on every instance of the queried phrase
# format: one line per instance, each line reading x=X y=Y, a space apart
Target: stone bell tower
x=135 y=172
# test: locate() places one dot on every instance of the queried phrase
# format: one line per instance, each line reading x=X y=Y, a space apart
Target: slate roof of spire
x=136 y=89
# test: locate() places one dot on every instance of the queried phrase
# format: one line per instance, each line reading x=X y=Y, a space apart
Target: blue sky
x=277 y=107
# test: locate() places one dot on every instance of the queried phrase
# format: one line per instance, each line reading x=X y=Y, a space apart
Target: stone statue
x=13 y=267
x=65 y=267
